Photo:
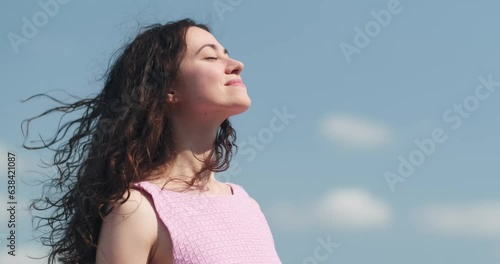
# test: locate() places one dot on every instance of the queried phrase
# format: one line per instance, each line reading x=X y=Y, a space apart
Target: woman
x=136 y=179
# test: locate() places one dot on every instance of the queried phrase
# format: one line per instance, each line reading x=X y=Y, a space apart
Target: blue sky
x=359 y=90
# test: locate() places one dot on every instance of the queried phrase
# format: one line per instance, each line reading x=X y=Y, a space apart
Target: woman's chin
x=240 y=108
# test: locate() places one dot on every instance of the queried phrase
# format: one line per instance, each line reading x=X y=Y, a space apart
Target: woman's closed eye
x=212 y=58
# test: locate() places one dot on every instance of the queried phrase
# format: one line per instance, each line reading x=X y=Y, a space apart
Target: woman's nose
x=235 y=67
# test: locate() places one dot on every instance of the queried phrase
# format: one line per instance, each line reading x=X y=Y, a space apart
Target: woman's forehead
x=197 y=37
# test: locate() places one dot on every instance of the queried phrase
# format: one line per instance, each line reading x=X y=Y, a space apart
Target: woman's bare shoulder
x=137 y=209
x=129 y=234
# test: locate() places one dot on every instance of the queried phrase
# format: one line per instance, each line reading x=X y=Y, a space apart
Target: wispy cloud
x=353 y=208
x=344 y=208
x=355 y=132
x=464 y=219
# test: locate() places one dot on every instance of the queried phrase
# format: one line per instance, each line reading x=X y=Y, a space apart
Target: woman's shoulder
x=130 y=231
x=139 y=203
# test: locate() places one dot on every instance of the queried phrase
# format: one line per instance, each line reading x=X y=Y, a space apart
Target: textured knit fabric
x=214 y=229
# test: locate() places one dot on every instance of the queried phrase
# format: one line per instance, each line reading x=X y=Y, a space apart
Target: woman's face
x=203 y=76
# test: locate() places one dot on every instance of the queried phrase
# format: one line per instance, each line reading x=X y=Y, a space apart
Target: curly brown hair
x=123 y=136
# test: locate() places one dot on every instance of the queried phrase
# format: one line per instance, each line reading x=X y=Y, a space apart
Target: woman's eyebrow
x=213 y=46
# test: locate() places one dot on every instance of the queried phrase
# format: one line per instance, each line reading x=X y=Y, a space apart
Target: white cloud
x=346 y=208
x=353 y=208
x=355 y=132
x=471 y=219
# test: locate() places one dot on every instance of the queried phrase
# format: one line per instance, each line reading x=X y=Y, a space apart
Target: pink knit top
x=214 y=229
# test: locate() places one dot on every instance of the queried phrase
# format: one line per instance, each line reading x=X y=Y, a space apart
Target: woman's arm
x=129 y=233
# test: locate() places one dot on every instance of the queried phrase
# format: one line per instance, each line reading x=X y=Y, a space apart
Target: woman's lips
x=235 y=83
